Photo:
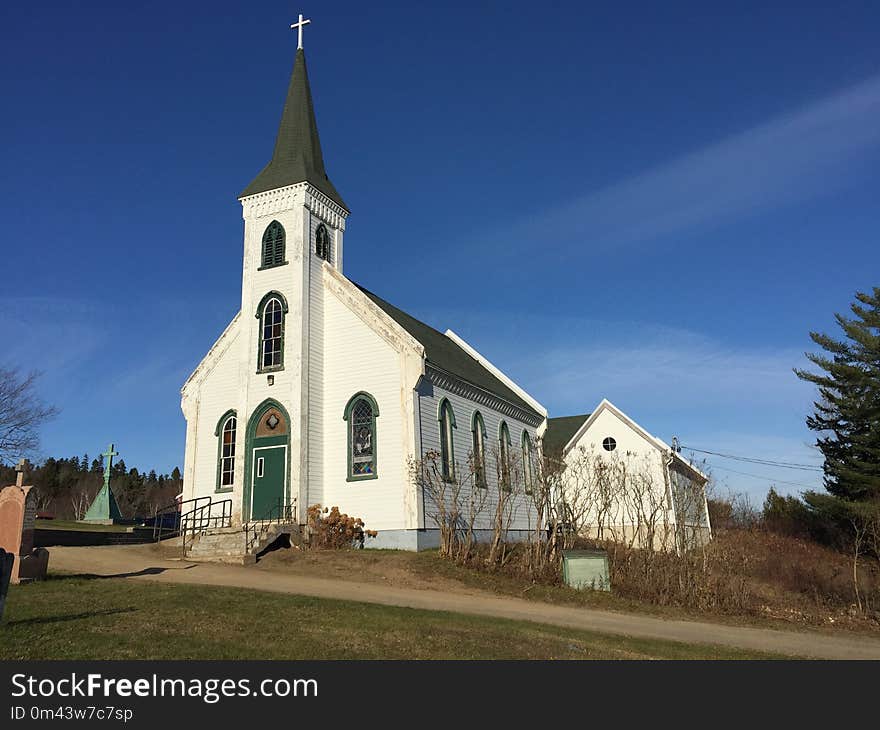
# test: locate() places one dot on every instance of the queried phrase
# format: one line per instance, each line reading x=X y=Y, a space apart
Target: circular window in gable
x=609 y=444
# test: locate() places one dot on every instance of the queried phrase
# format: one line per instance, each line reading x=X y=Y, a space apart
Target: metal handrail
x=174 y=507
x=202 y=518
x=277 y=514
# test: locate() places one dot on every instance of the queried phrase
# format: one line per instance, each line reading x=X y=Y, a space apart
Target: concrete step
x=230 y=545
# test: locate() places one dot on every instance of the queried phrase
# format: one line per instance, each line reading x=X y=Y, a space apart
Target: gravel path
x=139 y=562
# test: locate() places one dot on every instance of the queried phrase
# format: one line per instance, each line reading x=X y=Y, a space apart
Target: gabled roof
x=443 y=352
x=559 y=432
x=579 y=429
x=297 y=156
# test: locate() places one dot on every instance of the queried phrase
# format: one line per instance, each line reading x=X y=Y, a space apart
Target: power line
x=763 y=462
x=769 y=479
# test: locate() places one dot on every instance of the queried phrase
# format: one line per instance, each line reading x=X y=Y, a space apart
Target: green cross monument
x=104 y=509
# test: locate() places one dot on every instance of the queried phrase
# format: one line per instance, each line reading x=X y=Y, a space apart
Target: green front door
x=269 y=474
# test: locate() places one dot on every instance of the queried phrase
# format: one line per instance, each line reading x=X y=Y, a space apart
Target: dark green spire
x=297 y=156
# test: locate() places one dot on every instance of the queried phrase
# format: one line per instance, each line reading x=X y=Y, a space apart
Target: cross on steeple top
x=299 y=30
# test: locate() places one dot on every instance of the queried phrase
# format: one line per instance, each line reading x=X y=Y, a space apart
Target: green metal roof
x=559 y=432
x=297 y=156
x=446 y=355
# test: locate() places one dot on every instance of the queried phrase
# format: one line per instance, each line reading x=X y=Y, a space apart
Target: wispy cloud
x=788 y=159
x=714 y=395
x=684 y=366
x=52 y=334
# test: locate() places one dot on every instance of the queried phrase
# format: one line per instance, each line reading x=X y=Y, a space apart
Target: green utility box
x=586 y=569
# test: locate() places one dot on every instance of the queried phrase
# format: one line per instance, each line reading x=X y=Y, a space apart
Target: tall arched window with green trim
x=273 y=246
x=271 y=313
x=478 y=433
x=322 y=242
x=226 y=450
x=360 y=414
x=447 y=450
x=528 y=462
x=504 y=455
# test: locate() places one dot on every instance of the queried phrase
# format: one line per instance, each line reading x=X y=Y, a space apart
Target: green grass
x=94 y=618
x=80 y=526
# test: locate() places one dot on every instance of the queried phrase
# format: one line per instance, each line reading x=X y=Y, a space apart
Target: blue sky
x=647 y=203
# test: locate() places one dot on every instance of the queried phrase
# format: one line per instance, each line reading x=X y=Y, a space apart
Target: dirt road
x=140 y=562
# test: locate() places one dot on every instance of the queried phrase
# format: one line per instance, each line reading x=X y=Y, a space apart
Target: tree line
x=65 y=487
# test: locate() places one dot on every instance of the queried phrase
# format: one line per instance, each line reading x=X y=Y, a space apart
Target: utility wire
x=769 y=479
x=763 y=462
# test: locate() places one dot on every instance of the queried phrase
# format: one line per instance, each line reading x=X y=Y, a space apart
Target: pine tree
x=847 y=413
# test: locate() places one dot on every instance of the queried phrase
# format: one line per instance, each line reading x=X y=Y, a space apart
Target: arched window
x=226 y=450
x=478 y=431
x=504 y=454
x=322 y=242
x=273 y=245
x=447 y=450
x=360 y=413
x=271 y=315
x=528 y=462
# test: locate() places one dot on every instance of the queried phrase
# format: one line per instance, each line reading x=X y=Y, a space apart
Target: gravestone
x=7 y=560
x=18 y=511
x=104 y=510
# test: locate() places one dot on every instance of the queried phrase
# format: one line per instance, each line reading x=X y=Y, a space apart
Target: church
x=320 y=391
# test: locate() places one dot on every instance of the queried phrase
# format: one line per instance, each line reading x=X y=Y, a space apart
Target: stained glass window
x=273 y=245
x=227 y=452
x=272 y=336
x=479 y=434
x=447 y=450
x=362 y=426
x=504 y=455
x=322 y=242
x=528 y=464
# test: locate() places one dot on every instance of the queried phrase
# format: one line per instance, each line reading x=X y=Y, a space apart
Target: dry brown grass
x=754 y=572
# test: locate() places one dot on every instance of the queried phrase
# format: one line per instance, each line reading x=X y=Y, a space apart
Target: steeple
x=297 y=156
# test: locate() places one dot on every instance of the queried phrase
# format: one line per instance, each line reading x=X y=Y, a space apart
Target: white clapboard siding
x=641 y=455
x=356 y=358
x=215 y=394
x=316 y=446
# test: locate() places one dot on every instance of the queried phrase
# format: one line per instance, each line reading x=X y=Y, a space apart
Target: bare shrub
x=457 y=502
x=332 y=530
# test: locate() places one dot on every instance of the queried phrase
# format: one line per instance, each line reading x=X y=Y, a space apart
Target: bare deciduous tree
x=22 y=412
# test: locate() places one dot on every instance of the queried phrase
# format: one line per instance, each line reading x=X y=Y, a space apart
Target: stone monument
x=104 y=510
x=18 y=511
x=7 y=560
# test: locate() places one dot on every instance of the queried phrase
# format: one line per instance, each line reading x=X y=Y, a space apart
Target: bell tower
x=294 y=221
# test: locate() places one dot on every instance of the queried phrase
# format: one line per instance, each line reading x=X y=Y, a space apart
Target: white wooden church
x=320 y=391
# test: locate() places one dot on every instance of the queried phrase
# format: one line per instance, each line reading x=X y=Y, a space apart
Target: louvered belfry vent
x=273 y=245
